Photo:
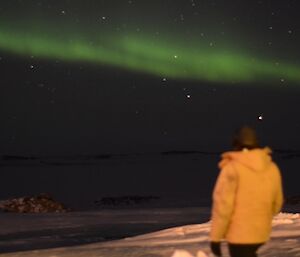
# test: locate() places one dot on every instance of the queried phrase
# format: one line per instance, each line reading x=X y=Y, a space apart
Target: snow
x=182 y=241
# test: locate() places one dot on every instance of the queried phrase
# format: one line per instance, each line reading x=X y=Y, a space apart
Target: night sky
x=137 y=76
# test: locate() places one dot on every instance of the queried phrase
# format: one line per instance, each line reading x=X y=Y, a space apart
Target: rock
x=130 y=200
x=42 y=203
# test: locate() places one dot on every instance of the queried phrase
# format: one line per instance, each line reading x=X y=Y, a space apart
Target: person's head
x=245 y=137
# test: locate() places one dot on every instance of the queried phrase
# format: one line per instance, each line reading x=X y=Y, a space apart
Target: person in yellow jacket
x=246 y=196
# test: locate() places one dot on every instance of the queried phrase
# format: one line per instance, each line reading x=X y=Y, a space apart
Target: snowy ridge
x=286 y=218
x=180 y=242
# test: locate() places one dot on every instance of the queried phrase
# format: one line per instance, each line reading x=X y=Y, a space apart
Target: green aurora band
x=153 y=56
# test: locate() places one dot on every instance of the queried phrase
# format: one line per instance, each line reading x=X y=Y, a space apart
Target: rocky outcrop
x=125 y=200
x=42 y=203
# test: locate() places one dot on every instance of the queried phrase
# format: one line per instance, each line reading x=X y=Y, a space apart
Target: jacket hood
x=256 y=159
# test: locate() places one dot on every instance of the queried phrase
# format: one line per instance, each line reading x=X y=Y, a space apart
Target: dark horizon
x=178 y=178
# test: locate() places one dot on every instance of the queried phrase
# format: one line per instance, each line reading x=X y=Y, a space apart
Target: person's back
x=247 y=195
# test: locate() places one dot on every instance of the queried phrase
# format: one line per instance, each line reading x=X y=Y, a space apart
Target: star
x=260 y=117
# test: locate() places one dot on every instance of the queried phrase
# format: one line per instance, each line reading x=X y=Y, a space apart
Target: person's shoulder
x=275 y=168
x=229 y=170
x=227 y=158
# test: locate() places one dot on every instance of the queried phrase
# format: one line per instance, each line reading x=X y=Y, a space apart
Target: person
x=247 y=194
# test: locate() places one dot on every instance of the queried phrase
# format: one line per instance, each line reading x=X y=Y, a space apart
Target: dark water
x=179 y=179
x=186 y=180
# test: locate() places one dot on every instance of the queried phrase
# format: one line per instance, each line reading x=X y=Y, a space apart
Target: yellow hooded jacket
x=247 y=194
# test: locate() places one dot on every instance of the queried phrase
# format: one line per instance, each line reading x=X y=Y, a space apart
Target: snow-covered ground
x=34 y=231
x=285 y=239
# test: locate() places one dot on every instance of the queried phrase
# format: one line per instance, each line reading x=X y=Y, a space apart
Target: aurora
x=154 y=56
